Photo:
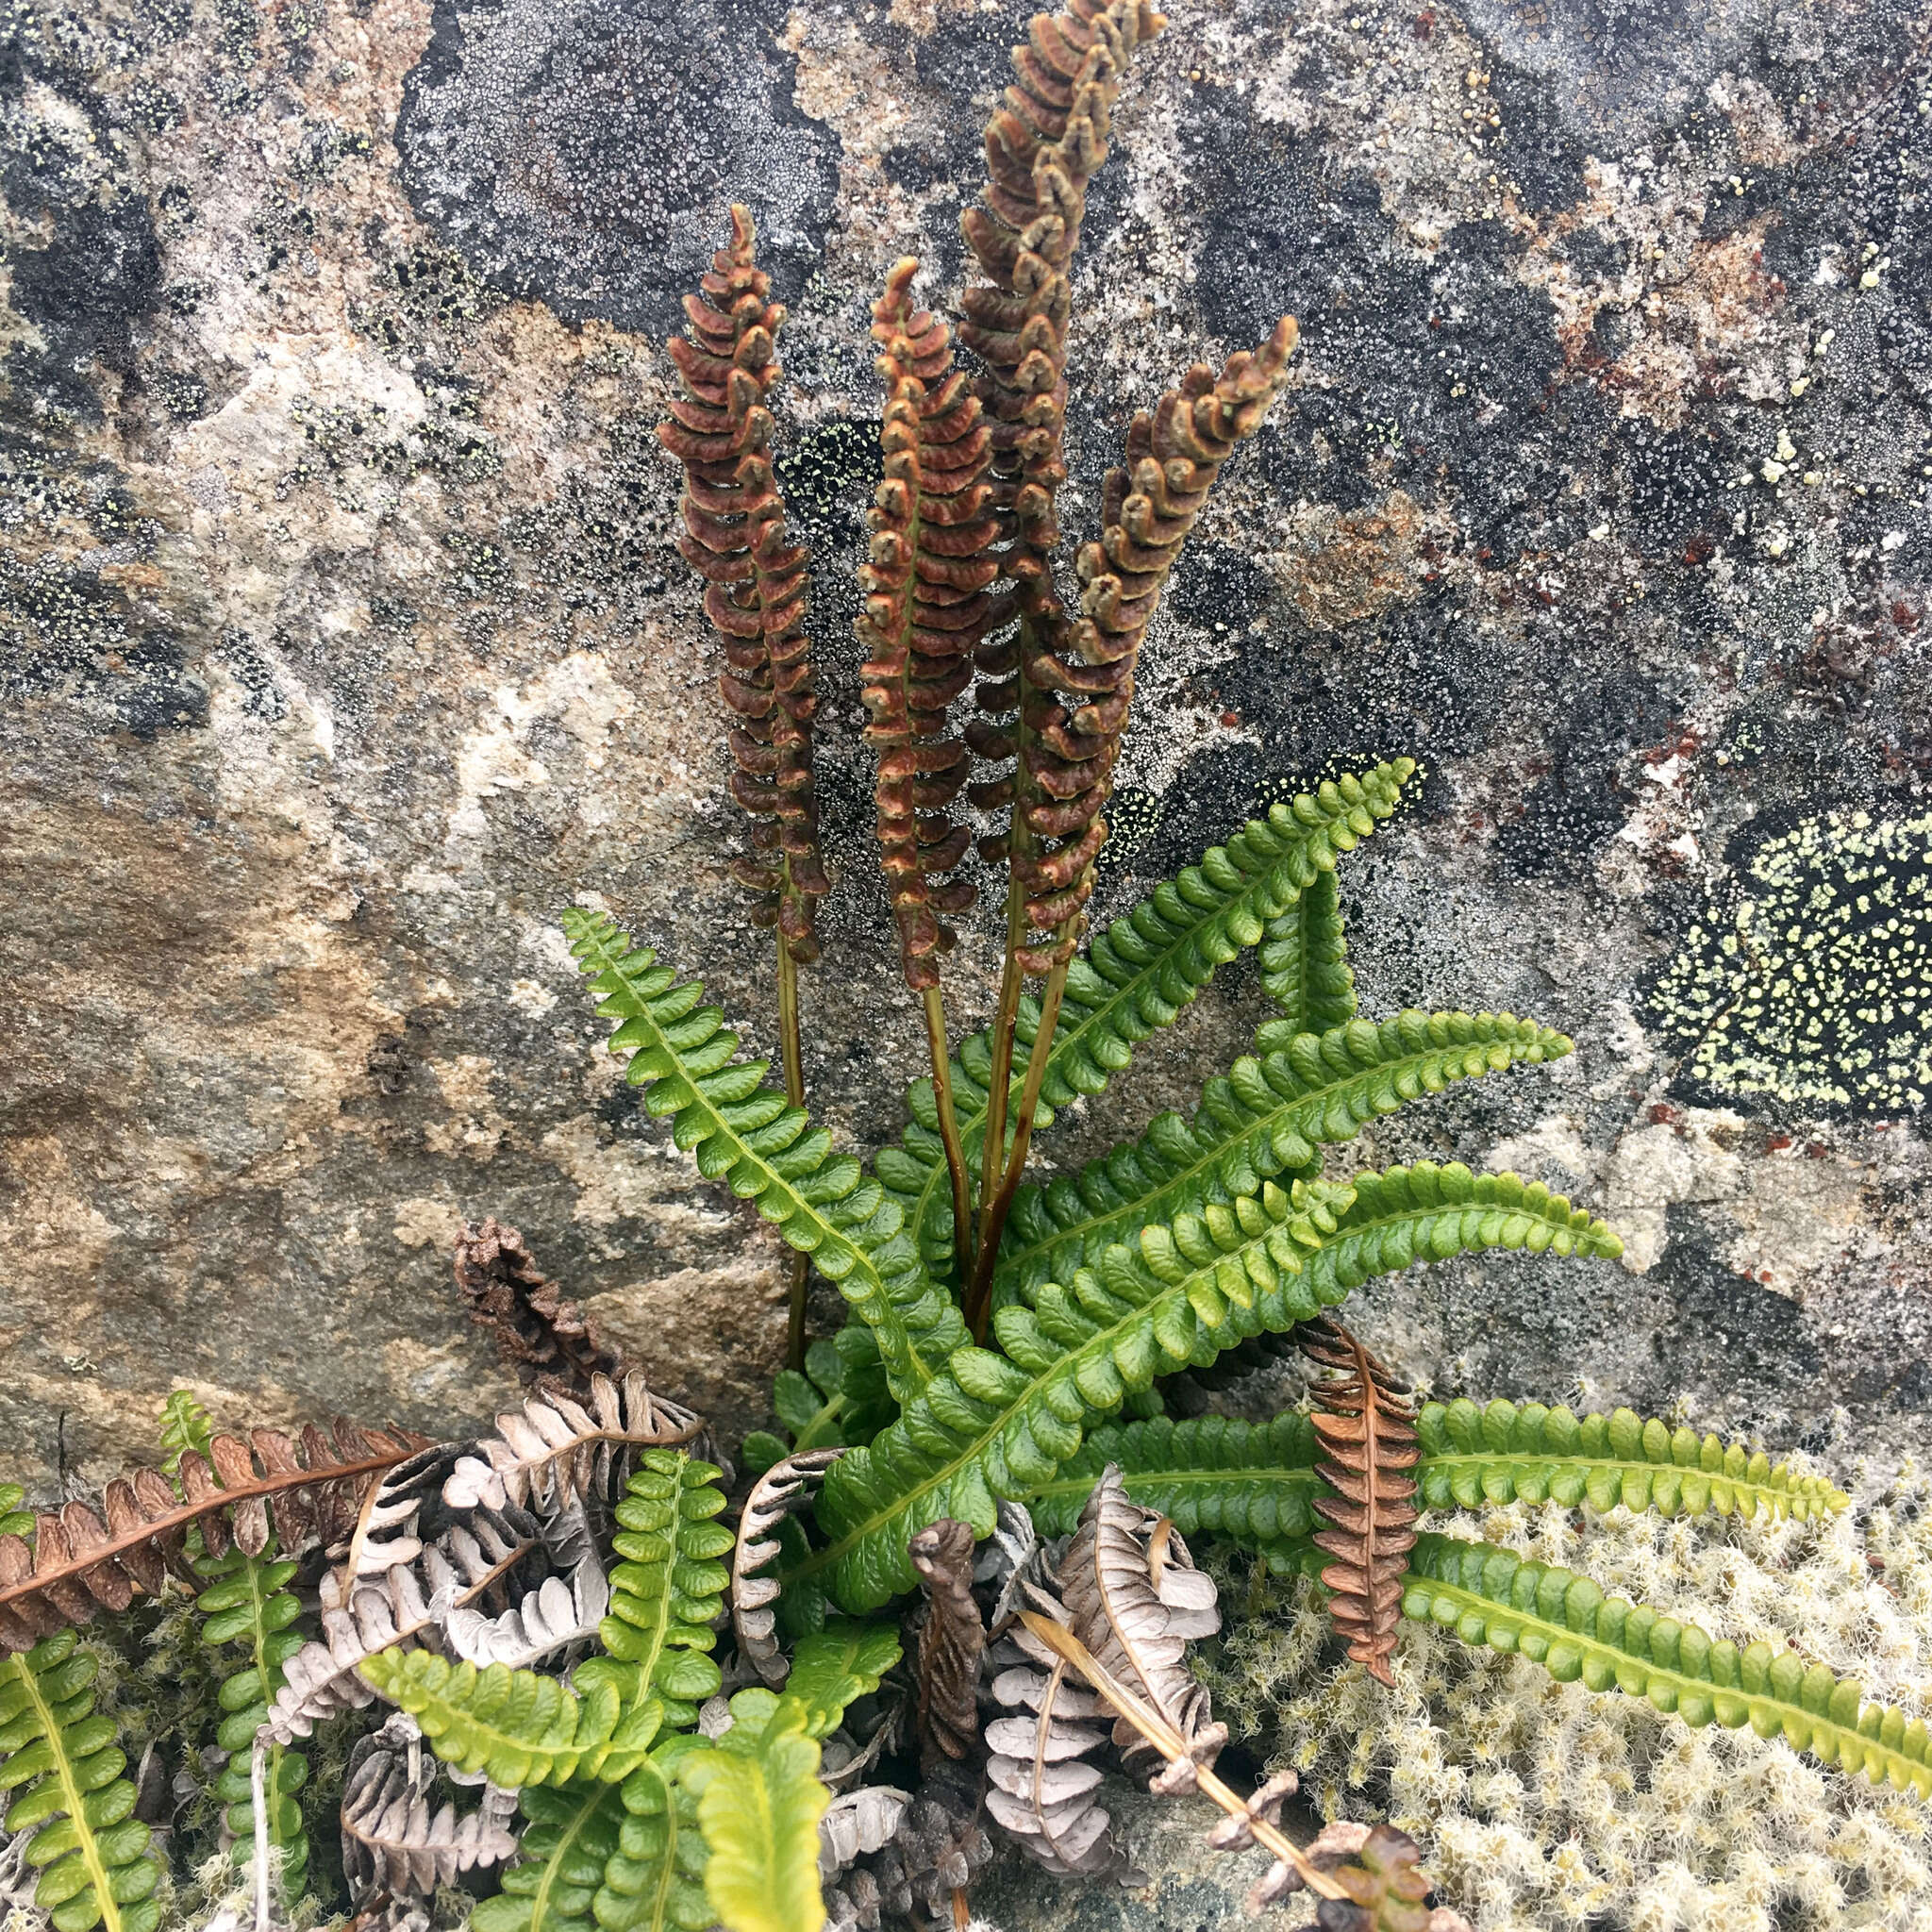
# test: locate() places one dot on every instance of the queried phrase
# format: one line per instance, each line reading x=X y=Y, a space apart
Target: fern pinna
x=960 y=1584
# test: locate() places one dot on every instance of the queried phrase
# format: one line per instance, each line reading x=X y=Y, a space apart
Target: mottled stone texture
x=344 y=643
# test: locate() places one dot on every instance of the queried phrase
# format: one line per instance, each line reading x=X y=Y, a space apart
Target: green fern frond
x=246 y=1600
x=62 y=1762
x=1304 y=961
x=1138 y=975
x=655 y=1882
x=1001 y=1425
x=666 y=1595
x=1566 y=1624
x=571 y=1834
x=1251 y=1484
x=760 y=1802
x=1263 y=1119
x=745 y=1134
x=1431 y=1213
x=14 y=1521
x=518 y=1727
x=1502 y=1453
x=833 y=1668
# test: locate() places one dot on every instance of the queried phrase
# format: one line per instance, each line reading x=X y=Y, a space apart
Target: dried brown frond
x=554 y=1449
x=783 y=1491
x=952 y=1644
x=483 y=1559
x=1135 y=1599
x=395 y=1840
x=1364 y=1420
x=545 y=1337
x=86 y=1557
x=1042 y=1777
x=734 y=537
x=927 y=607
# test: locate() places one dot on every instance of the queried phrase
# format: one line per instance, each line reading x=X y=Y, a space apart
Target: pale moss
x=1543 y=1805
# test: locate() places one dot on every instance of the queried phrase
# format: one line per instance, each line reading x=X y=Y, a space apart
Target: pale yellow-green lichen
x=1815 y=983
x=1542 y=1806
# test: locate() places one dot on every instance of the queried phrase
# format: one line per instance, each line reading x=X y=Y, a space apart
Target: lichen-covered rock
x=345 y=643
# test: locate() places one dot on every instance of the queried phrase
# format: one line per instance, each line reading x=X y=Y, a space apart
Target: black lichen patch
x=826 y=474
x=1809 y=981
x=587 y=153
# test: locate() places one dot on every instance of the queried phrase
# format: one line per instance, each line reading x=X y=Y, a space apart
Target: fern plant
x=991 y=1435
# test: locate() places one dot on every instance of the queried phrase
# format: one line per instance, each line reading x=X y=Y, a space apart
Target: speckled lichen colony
x=1811 y=981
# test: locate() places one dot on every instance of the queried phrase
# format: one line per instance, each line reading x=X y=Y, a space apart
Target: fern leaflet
x=571 y=1833
x=667 y=1594
x=1304 y=961
x=61 y=1758
x=247 y=1600
x=518 y=1727
x=1263 y=1118
x=760 y=1802
x=1504 y=1453
x=746 y=1134
x=1137 y=975
x=1567 y=1624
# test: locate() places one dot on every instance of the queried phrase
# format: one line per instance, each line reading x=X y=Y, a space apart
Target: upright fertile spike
x=1042 y=145
x=927 y=607
x=1074 y=681
x=733 y=538
x=1365 y=1421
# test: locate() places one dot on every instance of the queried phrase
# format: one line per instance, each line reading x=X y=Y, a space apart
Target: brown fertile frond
x=545 y=1337
x=952 y=1644
x=1135 y=1599
x=927 y=607
x=1364 y=1419
x=733 y=538
x=554 y=1449
x=89 y=1558
x=783 y=1491
x=1042 y=145
x=1075 y=681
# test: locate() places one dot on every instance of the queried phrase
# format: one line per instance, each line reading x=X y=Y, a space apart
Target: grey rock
x=344 y=643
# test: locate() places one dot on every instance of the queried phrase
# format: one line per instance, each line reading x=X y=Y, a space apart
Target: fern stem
x=792 y=1052
x=949 y=1131
x=993 y=1223
x=993 y=1145
x=73 y=1799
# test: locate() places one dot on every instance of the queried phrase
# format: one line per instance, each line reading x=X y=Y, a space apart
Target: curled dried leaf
x=952 y=1644
x=395 y=1838
x=783 y=1491
x=544 y=1336
x=1135 y=1599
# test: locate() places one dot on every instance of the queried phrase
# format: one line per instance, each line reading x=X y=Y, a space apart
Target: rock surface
x=344 y=643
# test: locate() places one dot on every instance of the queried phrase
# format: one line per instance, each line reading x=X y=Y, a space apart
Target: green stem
x=949 y=1131
x=793 y=1054
x=993 y=1223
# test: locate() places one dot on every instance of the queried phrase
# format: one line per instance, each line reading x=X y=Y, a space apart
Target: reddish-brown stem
x=949 y=1131
x=993 y=1223
x=794 y=1054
